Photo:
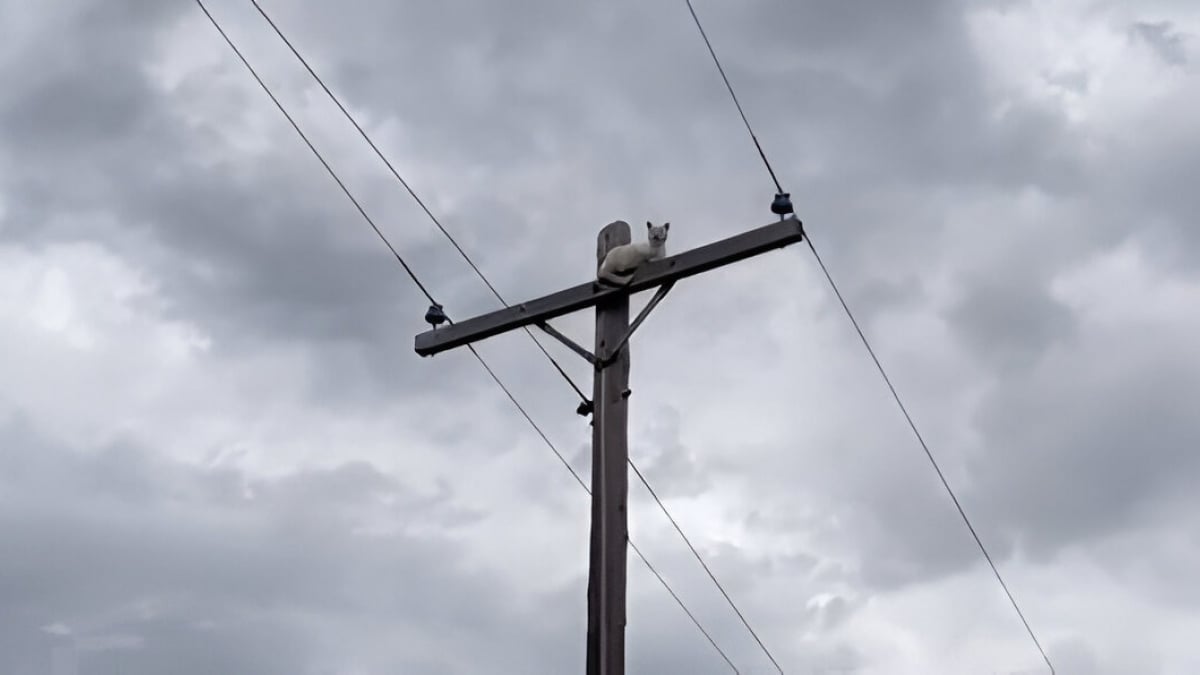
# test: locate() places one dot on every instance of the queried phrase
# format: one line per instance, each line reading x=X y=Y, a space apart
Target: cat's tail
x=615 y=279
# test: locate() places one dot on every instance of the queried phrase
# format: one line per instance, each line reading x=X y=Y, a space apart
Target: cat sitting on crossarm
x=619 y=265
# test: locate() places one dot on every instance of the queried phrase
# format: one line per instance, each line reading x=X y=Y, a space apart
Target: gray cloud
x=1123 y=453
x=526 y=127
x=1011 y=325
x=121 y=541
x=1160 y=35
x=666 y=462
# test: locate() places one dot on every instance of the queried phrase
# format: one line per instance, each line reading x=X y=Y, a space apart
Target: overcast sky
x=219 y=453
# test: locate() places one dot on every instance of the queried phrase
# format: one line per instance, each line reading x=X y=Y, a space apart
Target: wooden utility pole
x=610 y=484
x=610 y=394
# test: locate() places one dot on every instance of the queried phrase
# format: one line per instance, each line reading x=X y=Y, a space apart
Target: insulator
x=782 y=205
x=435 y=316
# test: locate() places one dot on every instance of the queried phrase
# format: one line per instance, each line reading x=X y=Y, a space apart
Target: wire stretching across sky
x=579 y=479
x=736 y=102
x=362 y=132
x=883 y=373
x=425 y=292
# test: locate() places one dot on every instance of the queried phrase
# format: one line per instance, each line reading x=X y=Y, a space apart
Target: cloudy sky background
x=218 y=452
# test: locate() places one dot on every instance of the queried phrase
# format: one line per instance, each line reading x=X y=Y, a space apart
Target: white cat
x=619 y=265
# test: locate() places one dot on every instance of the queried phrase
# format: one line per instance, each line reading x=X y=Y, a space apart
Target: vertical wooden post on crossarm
x=610 y=478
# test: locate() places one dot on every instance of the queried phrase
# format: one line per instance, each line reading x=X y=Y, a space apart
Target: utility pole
x=610 y=394
x=610 y=484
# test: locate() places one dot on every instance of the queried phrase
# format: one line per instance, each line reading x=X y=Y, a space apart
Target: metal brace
x=591 y=358
x=571 y=344
x=615 y=351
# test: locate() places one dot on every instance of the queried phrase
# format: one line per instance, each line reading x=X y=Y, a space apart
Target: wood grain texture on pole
x=610 y=478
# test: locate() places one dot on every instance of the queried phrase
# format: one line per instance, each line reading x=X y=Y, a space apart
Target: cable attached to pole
x=733 y=95
x=582 y=484
x=782 y=205
x=304 y=137
x=436 y=316
x=706 y=568
x=929 y=454
x=391 y=168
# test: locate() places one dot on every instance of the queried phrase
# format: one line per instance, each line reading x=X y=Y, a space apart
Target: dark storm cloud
x=1079 y=464
x=650 y=99
x=208 y=568
x=1166 y=41
x=251 y=252
x=885 y=95
x=150 y=496
x=1149 y=196
x=299 y=267
x=1010 y=322
x=556 y=119
x=149 y=564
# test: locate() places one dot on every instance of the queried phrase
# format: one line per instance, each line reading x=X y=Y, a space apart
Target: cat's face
x=657 y=235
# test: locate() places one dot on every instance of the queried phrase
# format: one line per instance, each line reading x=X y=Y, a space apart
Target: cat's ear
x=666 y=226
x=648 y=225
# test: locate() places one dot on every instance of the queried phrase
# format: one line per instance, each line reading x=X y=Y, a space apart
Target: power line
x=582 y=484
x=779 y=190
x=529 y=418
x=912 y=425
x=479 y=357
x=683 y=606
x=412 y=275
x=736 y=102
x=706 y=569
x=362 y=132
x=920 y=439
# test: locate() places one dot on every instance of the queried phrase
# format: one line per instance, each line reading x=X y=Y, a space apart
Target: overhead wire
x=333 y=174
x=579 y=479
x=367 y=137
x=703 y=564
x=362 y=132
x=641 y=477
x=413 y=276
x=878 y=365
x=924 y=446
x=736 y=102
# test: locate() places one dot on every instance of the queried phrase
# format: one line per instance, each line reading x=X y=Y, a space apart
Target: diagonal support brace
x=658 y=296
x=571 y=344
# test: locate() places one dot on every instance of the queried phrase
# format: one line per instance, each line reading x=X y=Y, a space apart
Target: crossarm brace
x=571 y=344
x=658 y=296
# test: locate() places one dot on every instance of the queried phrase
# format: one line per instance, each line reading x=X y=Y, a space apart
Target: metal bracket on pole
x=658 y=296
x=571 y=344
